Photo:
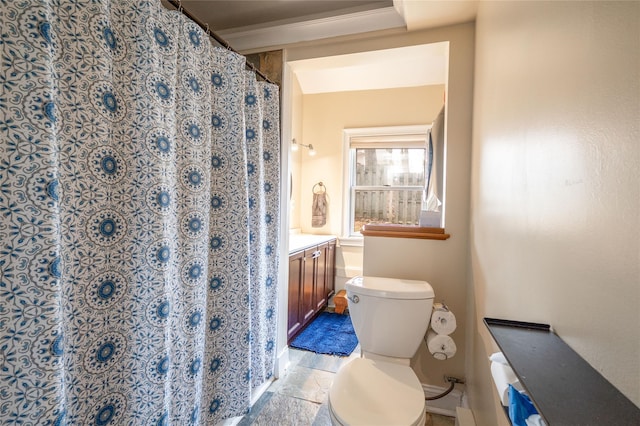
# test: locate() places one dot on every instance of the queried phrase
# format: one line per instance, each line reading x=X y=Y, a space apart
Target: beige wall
x=325 y=117
x=443 y=264
x=556 y=184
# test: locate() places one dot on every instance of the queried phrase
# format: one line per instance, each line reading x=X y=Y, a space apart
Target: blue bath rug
x=329 y=334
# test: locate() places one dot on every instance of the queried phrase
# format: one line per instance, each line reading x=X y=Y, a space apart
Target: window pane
x=386 y=206
x=390 y=166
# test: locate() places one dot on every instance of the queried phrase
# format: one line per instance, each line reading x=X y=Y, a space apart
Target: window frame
x=383 y=135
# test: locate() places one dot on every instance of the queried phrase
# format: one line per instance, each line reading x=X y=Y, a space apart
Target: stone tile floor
x=300 y=397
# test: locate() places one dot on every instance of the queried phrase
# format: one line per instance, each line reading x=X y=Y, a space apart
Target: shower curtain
x=139 y=218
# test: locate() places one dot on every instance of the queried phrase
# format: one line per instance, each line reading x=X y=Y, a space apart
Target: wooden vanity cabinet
x=311 y=283
x=320 y=291
x=330 y=269
x=296 y=270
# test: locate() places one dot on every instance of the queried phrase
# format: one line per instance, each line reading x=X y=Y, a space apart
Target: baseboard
x=465 y=400
x=256 y=394
x=446 y=405
x=464 y=417
x=282 y=363
x=234 y=421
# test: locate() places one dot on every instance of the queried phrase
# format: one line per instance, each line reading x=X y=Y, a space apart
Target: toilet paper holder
x=441 y=305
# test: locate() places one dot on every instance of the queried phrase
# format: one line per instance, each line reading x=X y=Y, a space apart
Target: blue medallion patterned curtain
x=139 y=218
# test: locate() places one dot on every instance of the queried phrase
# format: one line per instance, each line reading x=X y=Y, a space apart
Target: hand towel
x=319 y=210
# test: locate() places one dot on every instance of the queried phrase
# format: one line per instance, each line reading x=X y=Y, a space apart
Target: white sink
x=298 y=241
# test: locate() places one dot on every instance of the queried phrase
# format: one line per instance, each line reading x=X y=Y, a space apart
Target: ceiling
x=258 y=25
x=410 y=66
x=235 y=14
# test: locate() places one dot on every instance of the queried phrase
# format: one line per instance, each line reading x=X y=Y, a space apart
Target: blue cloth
x=520 y=407
x=330 y=334
x=139 y=218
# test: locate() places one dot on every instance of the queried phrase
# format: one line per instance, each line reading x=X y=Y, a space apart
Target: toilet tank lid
x=392 y=288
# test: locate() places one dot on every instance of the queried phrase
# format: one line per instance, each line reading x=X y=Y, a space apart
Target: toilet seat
x=367 y=392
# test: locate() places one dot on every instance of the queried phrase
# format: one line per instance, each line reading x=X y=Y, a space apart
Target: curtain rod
x=178 y=5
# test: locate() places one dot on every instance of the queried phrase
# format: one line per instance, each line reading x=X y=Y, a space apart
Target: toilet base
x=335 y=422
x=376 y=393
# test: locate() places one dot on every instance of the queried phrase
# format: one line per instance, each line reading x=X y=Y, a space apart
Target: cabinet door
x=330 y=275
x=308 y=282
x=296 y=269
x=321 y=284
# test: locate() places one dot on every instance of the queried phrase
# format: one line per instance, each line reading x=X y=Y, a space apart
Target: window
x=385 y=169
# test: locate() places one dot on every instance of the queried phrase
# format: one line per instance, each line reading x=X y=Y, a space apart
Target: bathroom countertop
x=299 y=242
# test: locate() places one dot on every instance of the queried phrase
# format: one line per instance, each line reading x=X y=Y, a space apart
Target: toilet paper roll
x=443 y=321
x=440 y=346
x=498 y=357
x=503 y=376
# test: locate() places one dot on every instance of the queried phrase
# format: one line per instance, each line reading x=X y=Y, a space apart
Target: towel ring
x=322 y=189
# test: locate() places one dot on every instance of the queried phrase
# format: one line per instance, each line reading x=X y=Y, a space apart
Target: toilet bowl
x=390 y=318
x=371 y=393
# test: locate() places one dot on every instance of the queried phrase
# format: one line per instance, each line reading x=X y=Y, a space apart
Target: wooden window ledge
x=403 y=231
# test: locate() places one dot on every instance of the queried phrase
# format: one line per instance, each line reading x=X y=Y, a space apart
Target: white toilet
x=390 y=318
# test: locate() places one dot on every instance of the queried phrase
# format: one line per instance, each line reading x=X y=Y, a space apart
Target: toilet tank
x=390 y=316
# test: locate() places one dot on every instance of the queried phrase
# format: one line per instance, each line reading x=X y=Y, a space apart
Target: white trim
x=255 y=395
x=231 y=422
x=282 y=363
x=399 y=7
x=285 y=164
x=346 y=190
x=415 y=129
x=446 y=405
x=352 y=241
x=348 y=272
x=465 y=401
x=358 y=133
x=464 y=417
x=253 y=37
